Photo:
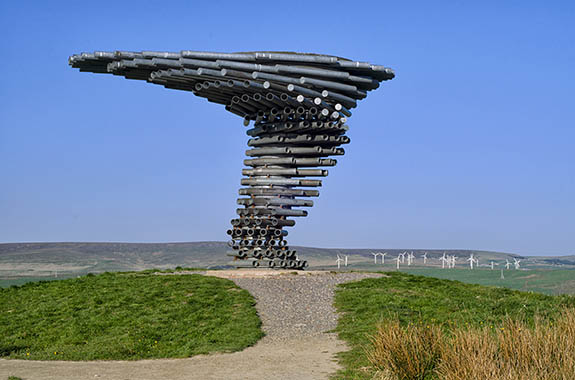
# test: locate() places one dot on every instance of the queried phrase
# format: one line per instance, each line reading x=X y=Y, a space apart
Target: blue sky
x=471 y=146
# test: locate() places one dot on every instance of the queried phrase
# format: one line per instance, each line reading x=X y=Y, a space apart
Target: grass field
x=126 y=316
x=547 y=281
x=6 y=282
x=427 y=301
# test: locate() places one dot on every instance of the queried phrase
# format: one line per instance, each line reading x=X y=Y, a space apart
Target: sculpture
x=298 y=103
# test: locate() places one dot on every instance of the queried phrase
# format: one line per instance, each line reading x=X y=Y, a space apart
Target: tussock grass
x=447 y=307
x=514 y=351
x=407 y=353
x=126 y=316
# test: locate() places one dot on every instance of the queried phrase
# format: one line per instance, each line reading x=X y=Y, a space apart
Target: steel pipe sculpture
x=299 y=105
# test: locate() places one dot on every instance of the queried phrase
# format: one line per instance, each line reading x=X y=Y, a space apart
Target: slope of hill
x=39 y=260
x=422 y=302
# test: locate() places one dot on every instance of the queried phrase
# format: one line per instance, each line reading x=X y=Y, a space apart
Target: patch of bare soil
x=310 y=358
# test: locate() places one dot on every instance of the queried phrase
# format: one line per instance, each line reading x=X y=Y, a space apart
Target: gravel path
x=297 y=306
x=296 y=311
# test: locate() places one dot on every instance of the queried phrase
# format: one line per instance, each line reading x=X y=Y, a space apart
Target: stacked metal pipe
x=299 y=105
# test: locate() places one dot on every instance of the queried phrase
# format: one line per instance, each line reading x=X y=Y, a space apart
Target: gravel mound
x=297 y=306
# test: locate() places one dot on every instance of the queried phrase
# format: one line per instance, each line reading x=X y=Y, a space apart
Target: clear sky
x=471 y=146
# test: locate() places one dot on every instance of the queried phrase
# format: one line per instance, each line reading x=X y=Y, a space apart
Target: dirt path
x=296 y=312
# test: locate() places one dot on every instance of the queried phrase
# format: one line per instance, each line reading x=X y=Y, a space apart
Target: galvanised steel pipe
x=299 y=104
x=291 y=172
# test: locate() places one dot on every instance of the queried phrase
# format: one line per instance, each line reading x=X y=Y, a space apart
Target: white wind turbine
x=444 y=260
x=403 y=257
x=507 y=264
x=453 y=258
x=516 y=263
x=492 y=263
x=345 y=261
x=376 y=254
x=339 y=261
x=410 y=257
x=472 y=260
x=424 y=258
x=398 y=260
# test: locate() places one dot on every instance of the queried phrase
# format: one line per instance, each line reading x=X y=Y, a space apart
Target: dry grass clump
x=513 y=351
x=408 y=353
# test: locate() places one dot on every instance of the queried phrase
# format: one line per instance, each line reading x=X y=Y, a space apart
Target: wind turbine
x=383 y=257
x=338 y=261
x=398 y=259
x=516 y=263
x=507 y=264
x=492 y=264
x=424 y=258
x=345 y=261
x=472 y=260
x=375 y=257
x=403 y=257
x=443 y=260
x=410 y=258
x=453 y=258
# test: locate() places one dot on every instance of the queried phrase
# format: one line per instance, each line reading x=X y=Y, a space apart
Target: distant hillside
x=47 y=259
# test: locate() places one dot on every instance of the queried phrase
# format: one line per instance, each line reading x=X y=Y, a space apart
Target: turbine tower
x=298 y=104
x=453 y=259
x=339 y=260
x=383 y=257
x=403 y=256
x=409 y=258
x=444 y=260
x=516 y=263
x=472 y=260
x=376 y=254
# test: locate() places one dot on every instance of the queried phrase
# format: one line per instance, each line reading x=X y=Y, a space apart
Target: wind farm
x=21 y=263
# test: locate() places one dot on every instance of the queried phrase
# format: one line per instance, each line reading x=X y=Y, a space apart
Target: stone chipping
x=297 y=306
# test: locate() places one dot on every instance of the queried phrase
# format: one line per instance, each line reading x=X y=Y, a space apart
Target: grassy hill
x=126 y=316
x=401 y=301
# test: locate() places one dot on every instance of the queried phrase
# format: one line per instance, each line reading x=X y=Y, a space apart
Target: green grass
x=126 y=316
x=418 y=299
x=547 y=281
x=7 y=282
